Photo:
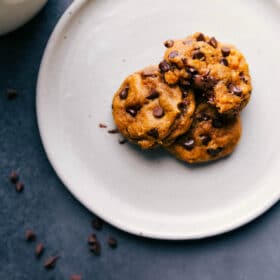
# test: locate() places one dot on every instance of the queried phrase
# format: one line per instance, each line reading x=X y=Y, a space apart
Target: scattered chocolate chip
x=224 y=61
x=153 y=133
x=164 y=66
x=217 y=123
x=124 y=93
x=213 y=42
x=19 y=187
x=39 y=250
x=214 y=152
x=14 y=177
x=12 y=94
x=198 y=55
x=122 y=141
x=182 y=106
x=50 y=262
x=75 y=277
x=225 y=51
x=102 y=125
x=188 y=144
x=158 y=112
x=200 y=37
x=97 y=223
x=205 y=139
x=153 y=94
x=113 y=131
x=112 y=242
x=30 y=235
x=235 y=90
x=95 y=248
x=202 y=117
x=92 y=239
x=169 y=43
x=173 y=54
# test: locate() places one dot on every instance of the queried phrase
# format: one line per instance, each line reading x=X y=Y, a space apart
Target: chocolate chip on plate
x=95 y=248
x=50 y=262
x=169 y=43
x=158 y=112
x=14 y=177
x=102 y=125
x=113 y=131
x=30 y=235
x=97 y=223
x=188 y=144
x=122 y=141
x=39 y=250
x=198 y=55
x=92 y=239
x=19 y=186
x=75 y=277
x=112 y=242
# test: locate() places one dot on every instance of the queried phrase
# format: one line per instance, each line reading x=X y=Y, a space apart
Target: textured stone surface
x=63 y=224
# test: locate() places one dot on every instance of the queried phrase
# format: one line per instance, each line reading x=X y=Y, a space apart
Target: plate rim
x=226 y=227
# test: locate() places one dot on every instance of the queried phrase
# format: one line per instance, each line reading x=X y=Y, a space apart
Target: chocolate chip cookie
x=149 y=112
x=216 y=70
x=211 y=136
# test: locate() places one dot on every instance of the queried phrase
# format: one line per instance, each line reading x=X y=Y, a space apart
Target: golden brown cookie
x=211 y=136
x=149 y=112
x=218 y=71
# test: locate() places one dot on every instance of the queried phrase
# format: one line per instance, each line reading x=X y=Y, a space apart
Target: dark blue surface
x=63 y=224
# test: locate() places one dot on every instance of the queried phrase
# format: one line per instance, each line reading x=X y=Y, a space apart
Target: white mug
x=14 y=13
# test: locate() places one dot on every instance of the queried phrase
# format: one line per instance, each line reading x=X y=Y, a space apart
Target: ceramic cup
x=14 y=13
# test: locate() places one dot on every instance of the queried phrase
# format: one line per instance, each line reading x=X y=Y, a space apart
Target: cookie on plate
x=211 y=136
x=216 y=70
x=149 y=112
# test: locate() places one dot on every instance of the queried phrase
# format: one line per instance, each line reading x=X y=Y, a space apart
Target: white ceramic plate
x=94 y=46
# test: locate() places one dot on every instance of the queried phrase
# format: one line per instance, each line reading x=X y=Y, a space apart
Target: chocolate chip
x=169 y=43
x=214 y=152
x=112 y=242
x=213 y=42
x=14 y=177
x=235 y=90
x=158 y=112
x=92 y=239
x=97 y=223
x=200 y=37
x=225 y=51
x=102 y=125
x=75 y=277
x=50 y=262
x=30 y=235
x=185 y=93
x=242 y=77
x=224 y=61
x=122 y=141
x=173 y=54
x=39 y=250
x=198 y=55
x=217 y=123
x=96 y=248
x=199 y=81
x=185 y=61
x=153 y=133
x=202 y=117
x=164 y=66
x=113 y=131
x=191 y=70
x=205 y=139
x=133 y=110
x=185 y=83
x=188 y=144
x=153 y=94
x=124 y=93
x=12 y=94
x=149 y=73
x=182 y=106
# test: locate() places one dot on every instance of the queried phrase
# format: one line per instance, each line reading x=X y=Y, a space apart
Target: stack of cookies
x=189 y=103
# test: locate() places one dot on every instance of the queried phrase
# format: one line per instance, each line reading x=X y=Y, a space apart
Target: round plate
x=94 y=46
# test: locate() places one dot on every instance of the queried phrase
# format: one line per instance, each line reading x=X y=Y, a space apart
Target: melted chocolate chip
x=225 y=51
x=198 y=55
x=213 y=42
x=124 y=93
x=173 y=54
x=224 y=61
x=169 y=43
x=182 y=106
x=200 y=37
x=164 y=66
x=153 y=133
x=188 y=144
x=158 y=112
x=217 y=123
x=214 y=152
x=153 y=94
x=205 y=139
